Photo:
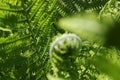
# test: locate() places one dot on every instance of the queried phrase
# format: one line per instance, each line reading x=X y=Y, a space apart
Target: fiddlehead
x=62 y=51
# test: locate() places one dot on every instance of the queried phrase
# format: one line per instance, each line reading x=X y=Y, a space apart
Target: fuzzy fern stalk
x=63 y=52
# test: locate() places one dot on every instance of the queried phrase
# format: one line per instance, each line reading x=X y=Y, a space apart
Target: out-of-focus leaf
x=5 y=29
x=107 y=67
x=87 y=27
x=50 y=77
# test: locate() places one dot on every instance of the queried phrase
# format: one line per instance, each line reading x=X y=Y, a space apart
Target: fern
x=30 y=19
x=111 y=15
x=76 y=6
x=27 y=28
x=109 y=18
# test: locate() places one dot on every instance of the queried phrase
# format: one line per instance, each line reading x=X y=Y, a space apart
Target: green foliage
x=25 y=34
x=102 y=29
x=28 y=26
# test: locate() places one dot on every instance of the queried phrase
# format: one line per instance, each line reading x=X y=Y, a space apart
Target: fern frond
x=110 y=15
x=11 y=10
x=75 y=6
x=11 y=39
x=110 y=10
x=32 y=18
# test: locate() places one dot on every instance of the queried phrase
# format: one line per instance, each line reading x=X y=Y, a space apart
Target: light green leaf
x=87 y=27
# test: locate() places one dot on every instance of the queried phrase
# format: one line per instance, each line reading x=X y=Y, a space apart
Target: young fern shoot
x=62 y=55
